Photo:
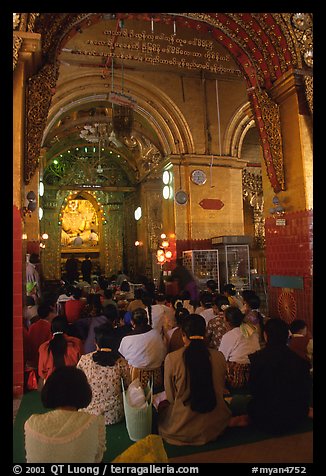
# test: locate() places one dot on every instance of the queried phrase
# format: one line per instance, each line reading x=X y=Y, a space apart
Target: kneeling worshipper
x=64 y=434
x=195 y=411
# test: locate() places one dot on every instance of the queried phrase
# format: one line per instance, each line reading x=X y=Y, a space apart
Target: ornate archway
x=265 y=46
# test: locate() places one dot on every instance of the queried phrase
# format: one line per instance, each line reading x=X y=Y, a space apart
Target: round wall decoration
x=181 y=197
x=198 y=177
x=287 y=307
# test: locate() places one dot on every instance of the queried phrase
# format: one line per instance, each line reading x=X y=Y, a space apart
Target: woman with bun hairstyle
x=104 y=369
x=60 y=350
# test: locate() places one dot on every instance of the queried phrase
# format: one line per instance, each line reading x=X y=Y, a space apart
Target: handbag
x=31 y=381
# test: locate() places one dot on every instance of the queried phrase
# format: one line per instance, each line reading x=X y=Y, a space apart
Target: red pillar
x=18 y=355
x=289 y=254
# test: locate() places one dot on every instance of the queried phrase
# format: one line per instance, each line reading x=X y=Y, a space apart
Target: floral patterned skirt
x=146 y=375
x=237 y=375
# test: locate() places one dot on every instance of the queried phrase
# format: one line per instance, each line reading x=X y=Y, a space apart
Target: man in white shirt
x=145 y=347
x=241 y=340
x=78 y=241
x=93 y=238
x=165 y=313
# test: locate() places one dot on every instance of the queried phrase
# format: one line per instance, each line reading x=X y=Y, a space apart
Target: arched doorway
x=78 y=199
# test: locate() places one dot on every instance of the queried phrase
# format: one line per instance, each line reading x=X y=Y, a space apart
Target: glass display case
x=203 y=264
x=234 y=265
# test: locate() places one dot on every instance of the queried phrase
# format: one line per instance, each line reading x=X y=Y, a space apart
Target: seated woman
x=104 y=370
x=280 y=383
x=74 y=306
x=236 y=345
x=216 y=327
x=144 y=350
x=174 y=336
x=65 y=435
x=206 y=300
x=250 y=308
x=97 y=317
x=59 y=351
x=194 y=382
x=300 y=340
x=229 y=290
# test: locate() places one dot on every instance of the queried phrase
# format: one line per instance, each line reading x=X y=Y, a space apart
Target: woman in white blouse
x=236 y=344
x=144 y=350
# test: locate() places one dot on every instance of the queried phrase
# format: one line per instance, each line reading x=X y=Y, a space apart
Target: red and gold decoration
x=287 y=307
x=167 y=249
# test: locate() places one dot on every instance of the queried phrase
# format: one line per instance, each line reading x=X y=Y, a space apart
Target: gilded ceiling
x=257 y=48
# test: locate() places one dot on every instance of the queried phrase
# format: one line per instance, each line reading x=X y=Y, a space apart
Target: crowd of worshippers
x=198 y=354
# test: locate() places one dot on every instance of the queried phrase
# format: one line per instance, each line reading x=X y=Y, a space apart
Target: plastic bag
x=135 y=394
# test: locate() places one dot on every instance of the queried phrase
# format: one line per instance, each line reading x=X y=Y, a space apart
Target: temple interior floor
x=296 y=448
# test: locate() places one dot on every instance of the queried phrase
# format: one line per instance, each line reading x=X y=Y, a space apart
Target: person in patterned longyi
x=104 y=369
x=216 y=327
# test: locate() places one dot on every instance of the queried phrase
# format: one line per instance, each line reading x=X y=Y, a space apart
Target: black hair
x=111 y=313
x=277 y=331
x=148 y=301
x=178 y=304
x=29 y=301
x=125 y=286
x=180 y=315
x=297 y=325
x=206 y=298
x=50 y=297
x=69 y=290
x=66 y=387
x=234 y=316
x=58 y=343
x=108 y=293
x=198 y=366
x=221 y=300
x=77 y=293
x=185 y=295
x=138 y=293
x=251 y=298
x=105 y=339
x=34 y=258
x=160 y=297
x=212 y=285
x=44 y=310
x=139 y=317
x=97 y=304
x=229 y=288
